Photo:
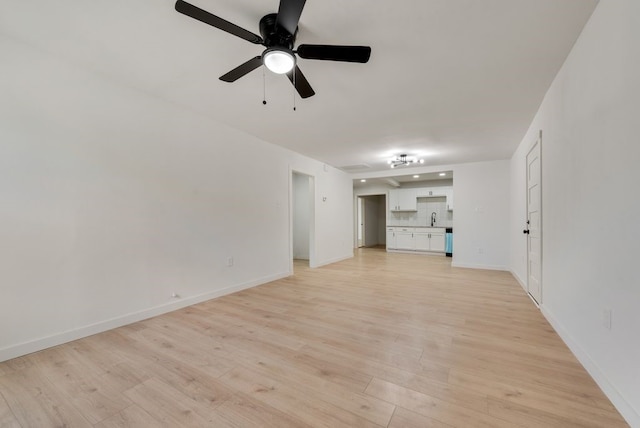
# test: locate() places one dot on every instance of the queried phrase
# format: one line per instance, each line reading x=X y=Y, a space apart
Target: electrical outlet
x=606 y=318
x=480 y=250
x=230 y=261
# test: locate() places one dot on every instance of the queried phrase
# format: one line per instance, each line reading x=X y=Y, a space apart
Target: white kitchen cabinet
x=421 y=241
x=404 y=238
x=403 y=200
x=436 y=241
x=427 y=192
x=407 y=199
x=391 y=238
x=429 y=239
x=416 y=239
x=394 y=200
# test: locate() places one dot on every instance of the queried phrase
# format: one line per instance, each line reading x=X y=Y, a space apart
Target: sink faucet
x=433 y=219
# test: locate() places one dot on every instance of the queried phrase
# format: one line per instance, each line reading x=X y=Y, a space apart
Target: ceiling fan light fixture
x=279 y=60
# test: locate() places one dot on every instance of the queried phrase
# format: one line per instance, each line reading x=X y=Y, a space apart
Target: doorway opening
x=371 y=218
x=302 y=223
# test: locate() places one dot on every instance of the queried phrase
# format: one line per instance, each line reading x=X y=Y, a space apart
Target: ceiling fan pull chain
x=264 y=88
x=294 y=89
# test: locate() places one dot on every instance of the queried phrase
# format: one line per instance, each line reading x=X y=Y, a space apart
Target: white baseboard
x=626 y=410
x=25 y=348
x=478 y=266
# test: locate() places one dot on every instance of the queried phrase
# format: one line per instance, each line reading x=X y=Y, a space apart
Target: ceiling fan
x=278 y=31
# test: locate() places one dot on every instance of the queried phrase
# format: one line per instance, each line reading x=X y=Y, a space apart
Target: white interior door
x=534 y=222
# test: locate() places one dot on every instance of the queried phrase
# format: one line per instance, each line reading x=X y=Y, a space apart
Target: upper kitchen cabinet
x=427 y=192
x=403 y=200
x=433 y=192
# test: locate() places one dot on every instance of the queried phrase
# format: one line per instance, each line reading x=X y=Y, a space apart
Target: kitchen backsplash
x=422 y=217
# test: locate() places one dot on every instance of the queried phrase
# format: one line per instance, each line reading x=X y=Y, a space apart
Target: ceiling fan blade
x=301 y=83
x=208 y=18
x=242 y=69
x=289 y=14
x=335 y=53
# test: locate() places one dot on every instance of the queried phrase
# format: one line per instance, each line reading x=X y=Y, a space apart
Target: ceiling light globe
x=279 y=60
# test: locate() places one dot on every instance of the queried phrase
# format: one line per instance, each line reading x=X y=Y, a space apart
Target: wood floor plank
x=131 y=417
x=368 y=407
x=577 y=405
x=35 y=402
x=14 y=365
x=191 y=381
x=534 y=418
x=7 y=419
x=403 y=418
x=245 y=412
x=396 y=340
x=442 y=390
x=308 y=405
x=457 y=416
x=308 y=326
x=81 y=387
x=203 y=355
x=171 y=406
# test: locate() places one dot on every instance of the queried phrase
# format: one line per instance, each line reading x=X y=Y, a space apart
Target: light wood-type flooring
x=381 y=340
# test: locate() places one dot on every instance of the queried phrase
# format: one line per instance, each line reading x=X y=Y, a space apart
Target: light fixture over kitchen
x=403 y=160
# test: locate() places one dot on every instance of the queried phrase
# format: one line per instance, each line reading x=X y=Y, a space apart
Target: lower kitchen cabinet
x=416 y=239
x=391 y=239
x=429 y=241
x=404 y=238
x=421 y=241
x=436 y=241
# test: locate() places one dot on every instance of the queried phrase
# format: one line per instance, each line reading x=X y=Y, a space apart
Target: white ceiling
x=450 y=80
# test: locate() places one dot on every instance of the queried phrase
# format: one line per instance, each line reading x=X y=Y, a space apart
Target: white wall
x=302 y=204
x=590 y=153
x=333 y=213
x=113 y=200
x=481 y=215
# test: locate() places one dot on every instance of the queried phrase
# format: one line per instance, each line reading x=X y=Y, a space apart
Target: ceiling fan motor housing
x=273 y=35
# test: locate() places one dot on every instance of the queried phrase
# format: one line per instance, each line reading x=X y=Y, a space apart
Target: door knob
x=526 y=231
